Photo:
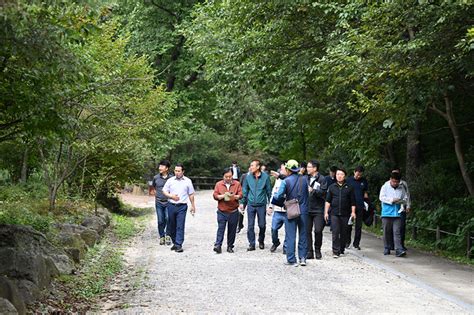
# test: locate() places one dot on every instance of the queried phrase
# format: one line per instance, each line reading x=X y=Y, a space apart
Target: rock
x=95 y=223
x=105 y=215
x=89 y=236
x=29 y=260
x=9 y=292
x=6 y=307
x=73 y=245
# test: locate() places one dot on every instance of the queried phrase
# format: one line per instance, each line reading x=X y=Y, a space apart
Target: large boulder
x=9 y=293
x=89 y=236
x=95 y=223
x=30 y=260
x=73 y=245
x=104 y=214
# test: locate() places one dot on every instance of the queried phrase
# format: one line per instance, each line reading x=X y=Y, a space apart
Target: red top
x=221 y=188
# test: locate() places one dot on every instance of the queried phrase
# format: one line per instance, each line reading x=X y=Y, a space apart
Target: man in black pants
x=361 y=187
x=317 y=192
x=340 y=197
x=240 y=225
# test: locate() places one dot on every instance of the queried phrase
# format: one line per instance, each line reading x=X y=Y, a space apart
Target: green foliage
x=124 y=227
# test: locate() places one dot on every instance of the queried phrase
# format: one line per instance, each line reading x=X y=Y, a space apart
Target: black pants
x=358 y=229
x=315 y=220
x=339 y=232
x=241 y=221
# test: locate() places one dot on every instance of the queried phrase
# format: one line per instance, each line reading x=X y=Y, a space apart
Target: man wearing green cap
x=295 y=186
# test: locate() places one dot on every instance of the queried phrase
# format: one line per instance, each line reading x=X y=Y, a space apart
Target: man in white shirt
x=178 y=189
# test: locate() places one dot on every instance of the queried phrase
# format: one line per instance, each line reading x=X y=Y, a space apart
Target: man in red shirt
x=227 y=192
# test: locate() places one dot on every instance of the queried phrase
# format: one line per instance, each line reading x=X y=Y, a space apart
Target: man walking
x=256 y=195
x=227 y=192
x=405 y=209
x=317 y=193
x=279 y=212
x=340 y=198
x=178 y=189
x=295 y=187
x=241 y=213
x=392 y=196
x=361 y=187
x=161 y=201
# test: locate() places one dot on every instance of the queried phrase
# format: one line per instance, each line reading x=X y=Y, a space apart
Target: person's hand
x=326 y=217
x=193 y=210
x=236 y=197
x=274 y=174
x=175 y=197
x=396 y=200
x=269 y=211
x=353 y=216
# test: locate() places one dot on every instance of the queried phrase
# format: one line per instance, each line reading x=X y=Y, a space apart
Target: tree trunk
x=413 y=157
x=53 y=193
x=303 y=143
x=390 y=153
x=458 y=145
x=24 y=165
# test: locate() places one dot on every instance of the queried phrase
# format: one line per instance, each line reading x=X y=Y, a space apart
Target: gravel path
x=200 y=281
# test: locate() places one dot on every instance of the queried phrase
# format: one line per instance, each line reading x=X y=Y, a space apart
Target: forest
x=93 y=94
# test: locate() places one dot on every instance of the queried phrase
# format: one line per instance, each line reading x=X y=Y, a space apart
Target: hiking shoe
x=230 y=250
x=303 y=262
x=274 y=247
x=173 y=247
x=179 y=249
x=261 y=245
x=218 y=249
x=162 y=241
x=168 y=240
x=250 y=248
x=400 y=253
x=318 y=254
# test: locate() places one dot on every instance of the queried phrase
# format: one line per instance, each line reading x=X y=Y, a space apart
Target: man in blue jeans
x=295 y=186
x=279 y=212
x=257 y=191
x=179 y=190
x=161 y=202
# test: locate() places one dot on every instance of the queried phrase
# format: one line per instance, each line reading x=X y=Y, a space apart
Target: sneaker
x=173 y=247
x=303 y=262
x=274 y=247
x=168 y=240
x=357 y=246
x=261 y=245
x=294 y=264
x=310 y=256
x=162 y=241
x=230 y=250
x=250 y=248
x=218 y=249
x=318 y=254
x=386 y=251
x=335 y=255
x=179 y=249
x=400 y=253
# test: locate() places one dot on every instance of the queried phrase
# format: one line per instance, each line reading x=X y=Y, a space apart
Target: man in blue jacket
x=257 y=192
x=295 y=186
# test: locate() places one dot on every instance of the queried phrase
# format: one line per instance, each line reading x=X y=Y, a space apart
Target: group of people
x=302 y=200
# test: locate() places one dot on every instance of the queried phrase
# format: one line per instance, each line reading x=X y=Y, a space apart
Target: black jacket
x=341 y=198
x=318 y=194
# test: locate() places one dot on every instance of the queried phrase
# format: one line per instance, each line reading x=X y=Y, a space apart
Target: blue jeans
x=260 y=212
x=162 y=217
x=278 y=219
x=231 y=219
x=177 y=218
x=290 y=229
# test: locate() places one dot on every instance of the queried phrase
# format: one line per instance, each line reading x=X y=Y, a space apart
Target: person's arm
x=193 y=205
x=238 y=193
x=216 y=194
x=166 y=192
x=326 y=211
x=243 y=200
x=268 y=190
x=383 y=196
x=353 y=204
x=408 y=199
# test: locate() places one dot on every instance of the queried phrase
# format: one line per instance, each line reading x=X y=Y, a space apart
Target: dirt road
x=199 y=280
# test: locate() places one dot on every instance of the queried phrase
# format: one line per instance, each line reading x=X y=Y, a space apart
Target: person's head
x=255 y=166
x=312 y=167
x=303 y=168
x=179 y=170
x=397 y=169
x=395 y=179
x=263 y=167
x=292 y=166
x=341 y=175
x=227 y=175
x=332 y=171
x=234 y=163
x=164 y=166
x=283 y=169
x=358 y=171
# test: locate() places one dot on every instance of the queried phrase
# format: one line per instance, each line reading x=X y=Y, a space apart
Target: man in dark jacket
x=361 y=188
x=341 y=199
x=295 y=186
x=317 y=193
